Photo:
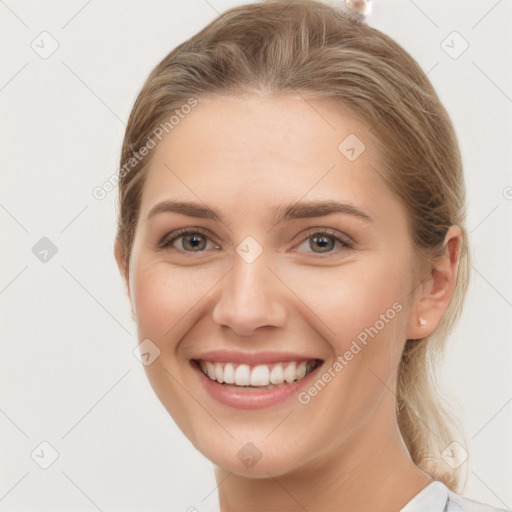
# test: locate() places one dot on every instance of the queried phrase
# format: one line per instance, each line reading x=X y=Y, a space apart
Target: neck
x=371 y=470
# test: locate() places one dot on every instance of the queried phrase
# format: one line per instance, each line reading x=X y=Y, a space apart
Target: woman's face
x=307 y=259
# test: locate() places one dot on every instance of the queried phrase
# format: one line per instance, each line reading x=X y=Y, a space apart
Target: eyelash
x=167 y=244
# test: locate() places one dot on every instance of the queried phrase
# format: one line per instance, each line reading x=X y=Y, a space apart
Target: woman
x=291 y=232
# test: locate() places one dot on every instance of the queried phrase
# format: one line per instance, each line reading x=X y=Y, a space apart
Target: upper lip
x=251 y=358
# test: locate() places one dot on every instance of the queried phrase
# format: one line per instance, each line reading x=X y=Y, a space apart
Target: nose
x=250 y=298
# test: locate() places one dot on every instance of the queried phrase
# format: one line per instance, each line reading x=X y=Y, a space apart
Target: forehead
x=244 y=151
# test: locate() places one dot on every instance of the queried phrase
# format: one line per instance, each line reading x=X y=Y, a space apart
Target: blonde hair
x=307 y=47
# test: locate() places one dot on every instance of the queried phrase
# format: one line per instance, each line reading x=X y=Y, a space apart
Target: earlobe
x=435 y=292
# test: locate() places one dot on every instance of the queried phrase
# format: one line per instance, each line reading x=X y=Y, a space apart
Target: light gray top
x=436 y=497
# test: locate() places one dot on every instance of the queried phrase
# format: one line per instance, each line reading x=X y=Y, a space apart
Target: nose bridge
x=249 y=281
x=249 y=297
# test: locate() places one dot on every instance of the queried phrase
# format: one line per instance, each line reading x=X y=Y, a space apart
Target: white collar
x=432 y=498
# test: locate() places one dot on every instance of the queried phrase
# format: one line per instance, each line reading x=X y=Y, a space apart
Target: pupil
x=323 y=241
x=194 y=239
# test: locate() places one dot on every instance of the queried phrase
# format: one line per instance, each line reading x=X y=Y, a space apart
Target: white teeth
x=219 y=373
x=276 y=375
x=289 y=373
x=229 y=373
x=301 y=370
x=258 y=376
x=210 y=369
x=242 y=375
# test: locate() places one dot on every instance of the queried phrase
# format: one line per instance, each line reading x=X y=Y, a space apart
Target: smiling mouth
x=261 y=376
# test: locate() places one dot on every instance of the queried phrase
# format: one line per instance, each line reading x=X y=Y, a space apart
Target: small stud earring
x=421 y=321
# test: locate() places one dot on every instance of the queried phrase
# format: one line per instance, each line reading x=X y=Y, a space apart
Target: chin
x=253 y=460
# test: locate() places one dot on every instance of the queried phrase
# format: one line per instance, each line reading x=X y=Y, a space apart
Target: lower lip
x=252 y=398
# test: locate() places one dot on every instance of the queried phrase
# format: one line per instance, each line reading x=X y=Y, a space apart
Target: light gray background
x=68 y=374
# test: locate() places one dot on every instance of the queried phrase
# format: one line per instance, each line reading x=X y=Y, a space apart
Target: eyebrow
x=299 y=210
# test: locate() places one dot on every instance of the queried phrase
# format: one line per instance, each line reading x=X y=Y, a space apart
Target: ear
x=119 y=254
x=120 y=259
x=434 y=293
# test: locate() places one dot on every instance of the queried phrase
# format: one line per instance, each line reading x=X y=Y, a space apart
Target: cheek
x=373 y=309
x=163 y=296
x=364 y=307
x=351 y=299
x=165 y=300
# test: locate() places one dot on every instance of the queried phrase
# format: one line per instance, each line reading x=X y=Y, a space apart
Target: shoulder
x=457 y=503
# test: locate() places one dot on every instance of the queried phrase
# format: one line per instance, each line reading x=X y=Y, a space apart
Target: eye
x=326 y=240
x=196 y=240
x=189 y=240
